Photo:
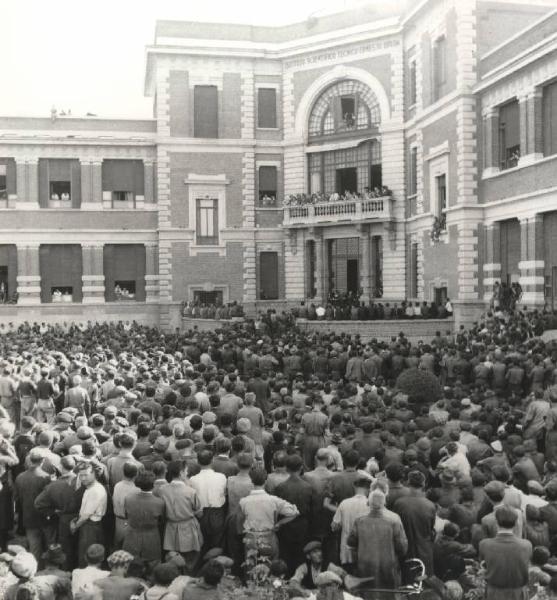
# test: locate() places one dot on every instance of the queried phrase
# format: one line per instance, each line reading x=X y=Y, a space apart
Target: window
x=60 y=190
x=268 y=186
x=205 y=111
x=441 y=187
x=267 y=108
x=413 y=181
x=207 y=222
x=412 y=88
x=439 y=67
x=509 y=135
x=348 y=111
x=124 y=289
x=549 y=112
x=120 y=198
x=3 y=183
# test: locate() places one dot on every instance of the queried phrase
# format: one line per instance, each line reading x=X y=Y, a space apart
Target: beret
x=494 y=487
x=311 y=546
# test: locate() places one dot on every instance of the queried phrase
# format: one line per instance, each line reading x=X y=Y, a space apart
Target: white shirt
x=81 y=578
x=93 y=503
x=210 y=487
x=121 y=491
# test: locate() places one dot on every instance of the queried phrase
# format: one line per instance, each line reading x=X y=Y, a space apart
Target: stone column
x=320 y=276
x=28 y=273
x=27 y=174
x=365 y=263
x=531 y=140
x=492 y=266
x=149 y=183
x=532 y=263
x=93 y=273
x=151 y=273
x=491 y=147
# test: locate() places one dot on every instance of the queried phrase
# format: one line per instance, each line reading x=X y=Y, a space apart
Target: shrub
x=420 y=386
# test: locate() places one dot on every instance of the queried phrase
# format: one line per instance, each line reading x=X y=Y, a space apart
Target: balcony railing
x=338 y=211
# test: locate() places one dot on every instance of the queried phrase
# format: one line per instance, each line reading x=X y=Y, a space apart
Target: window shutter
x=268 y=276
x=267 y=107
x=215 y=221
x=205 y=111
x=549 y=114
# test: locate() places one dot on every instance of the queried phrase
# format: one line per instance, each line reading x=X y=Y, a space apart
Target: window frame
x=274 y=89
x=413 y=171
x=4 y=186
x=200 y=238
x=412 y=82
x=509 y=156
x=54 y=182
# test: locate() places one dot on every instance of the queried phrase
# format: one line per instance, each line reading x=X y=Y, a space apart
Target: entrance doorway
x=347 y=180
x=4 y=291
x=344 y=265
x=352 y=275
x=440 y=295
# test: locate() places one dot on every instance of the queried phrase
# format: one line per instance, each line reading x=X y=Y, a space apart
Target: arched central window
x=344 y=108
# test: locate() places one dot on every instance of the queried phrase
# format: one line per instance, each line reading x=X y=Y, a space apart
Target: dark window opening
x=124 y=289
x=3 y=183
x=267 y=186
x=60 y=190
x=347 y=180
x=439 y=67
x=348 y=110
x=413 y=187
x=61 y=293
x=509 y=135
x=441 y=295
x=201 y=297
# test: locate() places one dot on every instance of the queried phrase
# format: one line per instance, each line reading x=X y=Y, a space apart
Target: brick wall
x=196 y=270
x=440 y=262
x=268 y=218
x=522 y=181
x=205 y=164
x=71 y=220
x=180 y=104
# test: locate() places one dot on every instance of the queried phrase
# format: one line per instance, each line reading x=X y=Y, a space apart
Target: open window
x=124 y=289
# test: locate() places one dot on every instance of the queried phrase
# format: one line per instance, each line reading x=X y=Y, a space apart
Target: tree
x=419 y=385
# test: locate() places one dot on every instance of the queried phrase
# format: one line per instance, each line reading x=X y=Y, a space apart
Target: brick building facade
x=446 y=108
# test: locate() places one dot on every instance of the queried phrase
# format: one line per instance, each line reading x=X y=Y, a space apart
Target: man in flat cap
x=307 y=573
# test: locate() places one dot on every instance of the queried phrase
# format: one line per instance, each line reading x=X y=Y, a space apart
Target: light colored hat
x=24 y=565
x=497 y=446
x=326 y=578
x=243 y=425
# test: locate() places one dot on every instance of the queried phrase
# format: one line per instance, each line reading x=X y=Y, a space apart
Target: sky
x=90 y=56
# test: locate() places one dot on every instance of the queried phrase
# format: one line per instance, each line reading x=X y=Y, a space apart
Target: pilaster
x=492 y=266
x=151 y=273
x=93 y=273
x=365 y=264
x=532 y=263
x=149 y=182
x=491 y=141
x=28 y=274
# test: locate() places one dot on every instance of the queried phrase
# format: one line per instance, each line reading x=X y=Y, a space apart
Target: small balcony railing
x=338 y=211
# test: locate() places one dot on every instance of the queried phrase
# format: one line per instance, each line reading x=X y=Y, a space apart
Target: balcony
x=340 y=211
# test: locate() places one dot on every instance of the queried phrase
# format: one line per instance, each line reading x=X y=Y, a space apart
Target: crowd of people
x=348 y=306
x=141 y=464
x=321 y=197
x=201 y=310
